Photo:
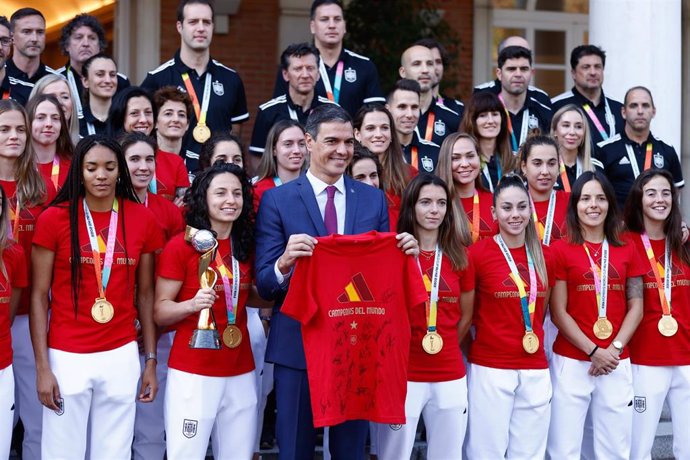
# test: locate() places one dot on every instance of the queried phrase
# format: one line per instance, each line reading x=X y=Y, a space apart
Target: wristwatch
x=618 y=345
x=150 y=356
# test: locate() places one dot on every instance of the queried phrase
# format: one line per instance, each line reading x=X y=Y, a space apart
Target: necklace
x=427 y=254
x=594 y=252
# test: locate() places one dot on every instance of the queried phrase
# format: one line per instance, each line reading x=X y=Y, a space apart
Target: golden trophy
x=206 y=334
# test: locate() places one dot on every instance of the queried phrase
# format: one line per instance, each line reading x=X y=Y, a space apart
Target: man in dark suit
x=318 y=203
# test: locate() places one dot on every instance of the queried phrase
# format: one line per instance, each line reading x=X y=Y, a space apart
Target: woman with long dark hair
x=437 y=386
x=509 y=385
x=216 y=388
x=99 y=78
x=133 y=109
x=92 y=246
x=660 y=348
x=596 y=306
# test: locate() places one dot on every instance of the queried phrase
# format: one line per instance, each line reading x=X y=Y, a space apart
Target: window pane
x=551 y=81
x=566 y=6
x=501 y=33
x=549 y=47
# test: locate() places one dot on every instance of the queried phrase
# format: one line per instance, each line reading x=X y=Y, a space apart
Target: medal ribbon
x=153 y=185
x=200 y=112
x=414 y=158
x=601 y=276
x=544 y=231
x=595 y=120
x=334 y=92
x=276 y=181
x=475 y=216
x=633 y=161
x=5 y=95
x=102 y=275
x=55 y=172
x=513 y=140
x=77 y=100
x=429 y=133
x=528 y=305
x=487 y=174
x=432 y=304
x=15 y=220
x=231 y=297
x=665 y=291
x=564 y=173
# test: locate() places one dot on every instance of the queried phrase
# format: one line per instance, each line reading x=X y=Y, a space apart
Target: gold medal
x=668 y=326
x=432 y=343
x=102 y=310
x=603 y=329
x=232 y=336
x=530 y=342
x=201 y=133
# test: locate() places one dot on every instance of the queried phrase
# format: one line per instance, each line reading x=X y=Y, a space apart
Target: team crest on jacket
x=427 y=164
x=658 y=160
x=189 y=428
x=350 y=75
x=440 y=128
x=640 y=404
x=218 y=88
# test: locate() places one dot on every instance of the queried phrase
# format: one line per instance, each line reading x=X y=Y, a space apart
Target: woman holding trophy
x=205 y=280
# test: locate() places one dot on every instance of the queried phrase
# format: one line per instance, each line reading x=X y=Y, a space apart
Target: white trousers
x=508 y=413
x=262 y=370
x=652 y=385
x=198 y=407
x=444 y=408
x=28 y=407
x=149 y=425
x=98 y=389
x=609 y=400
x=6 y=410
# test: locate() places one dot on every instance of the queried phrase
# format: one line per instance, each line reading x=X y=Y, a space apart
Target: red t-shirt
x=352 y=297
x=260 y=187
x=25 y=235
x=648 y=347
x=168 y=215
x=78 y=332
x=498 y=319
x=15 y=265
x=393 y=202
x=171 y=173
x=46 y=170
x=572 y=266
x=446 y=364
x=558 y=229
x=488 y=227
x=179 y=261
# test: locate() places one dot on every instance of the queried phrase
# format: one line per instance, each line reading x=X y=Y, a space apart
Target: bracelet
x=150 y=356
x=266 y=318
x=596 y=347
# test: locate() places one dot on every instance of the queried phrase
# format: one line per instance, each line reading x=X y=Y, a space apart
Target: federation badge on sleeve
x=640 y=404
x=440 y=128
x=189 y=428
x=658 y=160
x=350 y=75
x=427 y=164
x=533 y=122
x=218 y=88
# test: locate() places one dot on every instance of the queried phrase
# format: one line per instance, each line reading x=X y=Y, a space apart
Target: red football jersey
x=260 y=187
x=446 y=364
x=352 y=297
x=46 y=170
x=559 y=229
x=168 y=215
x=498 y=319
x=648 y=347
x=488 y=227
x=15 y=265
x=76 y=331
x=171 y=173
x=179 y=261
x=572 y=265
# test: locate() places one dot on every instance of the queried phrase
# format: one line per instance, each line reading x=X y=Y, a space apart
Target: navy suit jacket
x=291 y=209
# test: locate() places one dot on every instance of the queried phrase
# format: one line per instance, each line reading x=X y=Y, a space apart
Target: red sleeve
x=154 y=235
x=299 y=303
x=414 y=283
x=557 y=263
x=15 y=263
x=181 y=173
x=173 y=259
x=550 y=267
x=467 y=281
x=45 y=234
x=638 y=261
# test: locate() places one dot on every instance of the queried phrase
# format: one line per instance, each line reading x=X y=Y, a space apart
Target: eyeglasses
x=5 y=41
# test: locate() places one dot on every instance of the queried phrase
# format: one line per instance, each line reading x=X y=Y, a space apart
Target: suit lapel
x=350 y=207
x=306 y=192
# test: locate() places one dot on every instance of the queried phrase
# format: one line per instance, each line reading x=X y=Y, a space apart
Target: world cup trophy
x=206 y=334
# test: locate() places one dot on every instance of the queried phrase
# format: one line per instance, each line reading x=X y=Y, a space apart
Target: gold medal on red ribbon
x=668 y=326
x=201 y=133
x=232 y=336
x=603 y=329
x=102 y=311
x=432 y=343
x=530 y=342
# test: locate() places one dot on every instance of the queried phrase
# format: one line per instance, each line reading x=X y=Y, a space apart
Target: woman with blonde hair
x=570 y=129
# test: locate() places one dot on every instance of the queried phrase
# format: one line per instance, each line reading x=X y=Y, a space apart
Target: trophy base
x=207 y=339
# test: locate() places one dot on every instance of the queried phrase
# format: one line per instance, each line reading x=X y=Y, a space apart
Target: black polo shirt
x=613 y=159
x=453 y=104
x=122 y=81
x=610 y=122
x=227 y=105
x=20 y=81
x=532 y=91
x=11 y=88
x=360 y=82
x=279 y=108
x=99 y=127
x=427 y=153
x=445 y=122
x=536 y=114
